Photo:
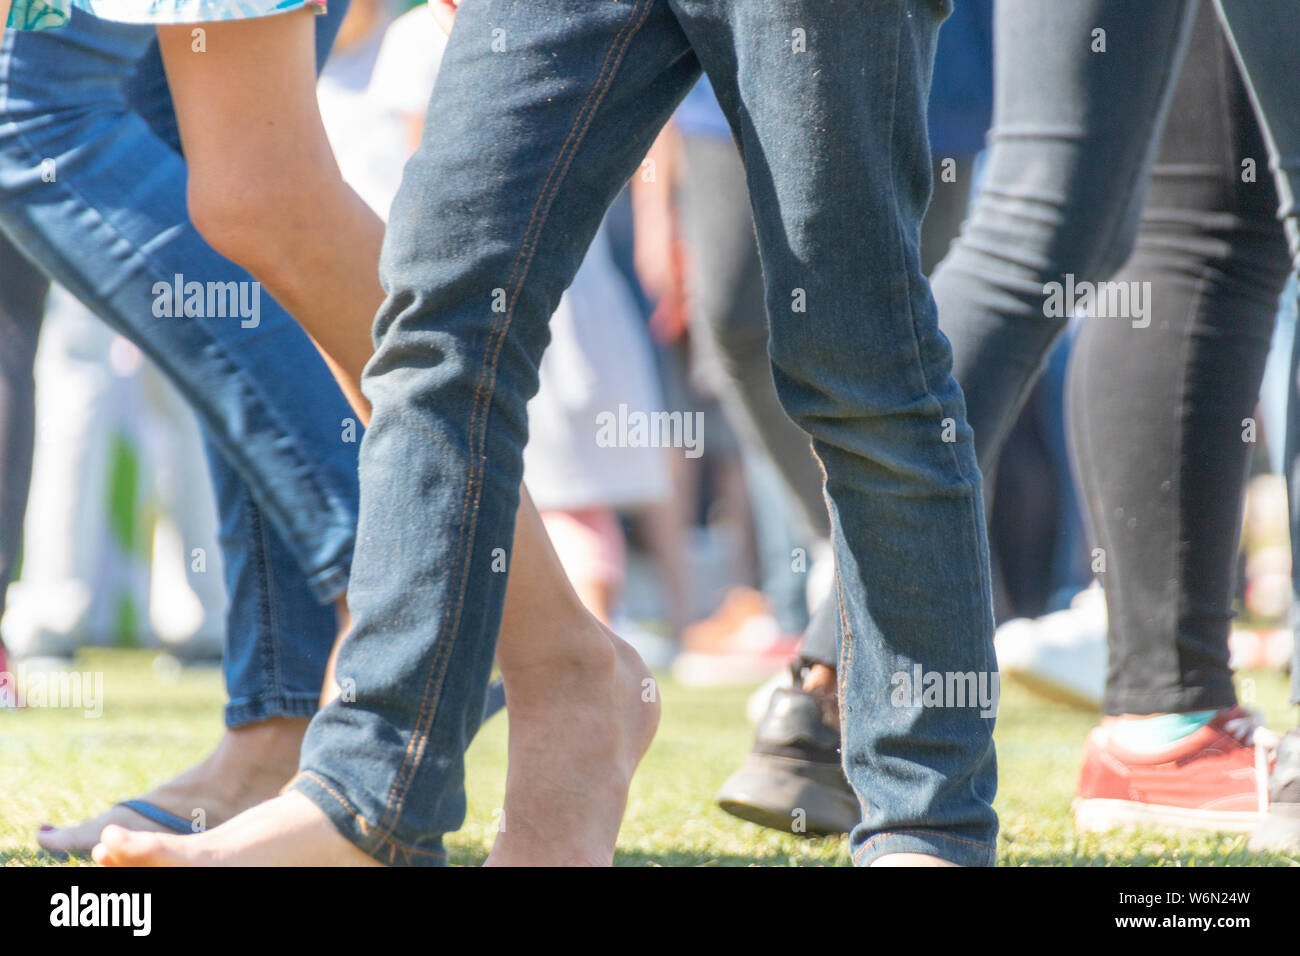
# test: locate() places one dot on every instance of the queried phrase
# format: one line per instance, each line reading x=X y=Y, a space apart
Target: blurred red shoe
x=8 y=681
x=1215 y=778
x=741 y=642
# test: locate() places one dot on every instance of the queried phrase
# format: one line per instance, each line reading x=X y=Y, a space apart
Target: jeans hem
x=932 y=842
x=356 y=829
x=252 y=710
x=332 y=583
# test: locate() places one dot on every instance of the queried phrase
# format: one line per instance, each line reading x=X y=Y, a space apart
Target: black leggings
x=1158 y=415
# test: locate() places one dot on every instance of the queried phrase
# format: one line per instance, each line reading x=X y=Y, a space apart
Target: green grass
x=58 y=766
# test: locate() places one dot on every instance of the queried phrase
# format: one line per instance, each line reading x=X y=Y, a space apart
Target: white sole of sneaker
x=1099 y=815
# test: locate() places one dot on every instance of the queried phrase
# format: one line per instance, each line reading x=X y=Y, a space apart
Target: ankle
x=264 y=742
x=571 y=647
x=819 y=679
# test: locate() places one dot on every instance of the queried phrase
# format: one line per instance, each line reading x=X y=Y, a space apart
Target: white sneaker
x=1061 y=655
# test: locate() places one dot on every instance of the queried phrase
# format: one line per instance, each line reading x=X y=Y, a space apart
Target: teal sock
x=1156 y=733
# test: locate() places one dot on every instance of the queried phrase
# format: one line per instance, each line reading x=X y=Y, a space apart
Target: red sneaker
x=1213 y=779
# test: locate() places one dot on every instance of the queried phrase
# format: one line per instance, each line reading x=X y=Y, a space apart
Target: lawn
x=58 y=766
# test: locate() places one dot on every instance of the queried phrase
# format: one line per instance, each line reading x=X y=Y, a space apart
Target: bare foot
x=911 y=859
x=249 y=765
x=577 y=733
x=287 y=831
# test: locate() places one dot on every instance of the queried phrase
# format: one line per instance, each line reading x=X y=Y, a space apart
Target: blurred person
x=746 y=635
x=597 y=365
x=1268 y=58
x=121 y=530
x=1175 y=747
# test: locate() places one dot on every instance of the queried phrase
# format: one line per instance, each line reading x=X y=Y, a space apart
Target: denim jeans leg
x=278 y=636
x=91 y=194
x=838 y=166
x=1081 y=90
x=524 y=151
x=106 y=215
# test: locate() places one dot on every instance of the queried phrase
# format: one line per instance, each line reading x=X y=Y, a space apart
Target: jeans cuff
x=329 y=796
x=332 y=583
x=252 y=710
x=932 y=842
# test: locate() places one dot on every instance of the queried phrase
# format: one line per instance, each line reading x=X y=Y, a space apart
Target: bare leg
x=264 y=188
x=583 y=710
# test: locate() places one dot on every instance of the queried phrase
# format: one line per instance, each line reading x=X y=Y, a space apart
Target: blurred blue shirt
x=961 y=97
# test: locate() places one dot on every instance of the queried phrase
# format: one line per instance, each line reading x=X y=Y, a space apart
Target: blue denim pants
x=542 y=111
x=92 y=189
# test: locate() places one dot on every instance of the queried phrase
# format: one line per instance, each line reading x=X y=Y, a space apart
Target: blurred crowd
x=708 y=561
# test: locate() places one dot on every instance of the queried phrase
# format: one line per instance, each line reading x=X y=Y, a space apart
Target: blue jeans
x=92 y=188
x=523 y=152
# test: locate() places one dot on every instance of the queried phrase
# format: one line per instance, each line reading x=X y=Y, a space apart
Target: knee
x=241 y=217
x=1091 y=245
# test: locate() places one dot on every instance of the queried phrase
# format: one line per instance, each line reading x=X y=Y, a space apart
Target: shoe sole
x=768 y=790
x=1278 y=832
x=1098 y=815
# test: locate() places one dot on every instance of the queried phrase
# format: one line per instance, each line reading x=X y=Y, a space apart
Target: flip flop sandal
x=160 y=816
x=170 y=821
